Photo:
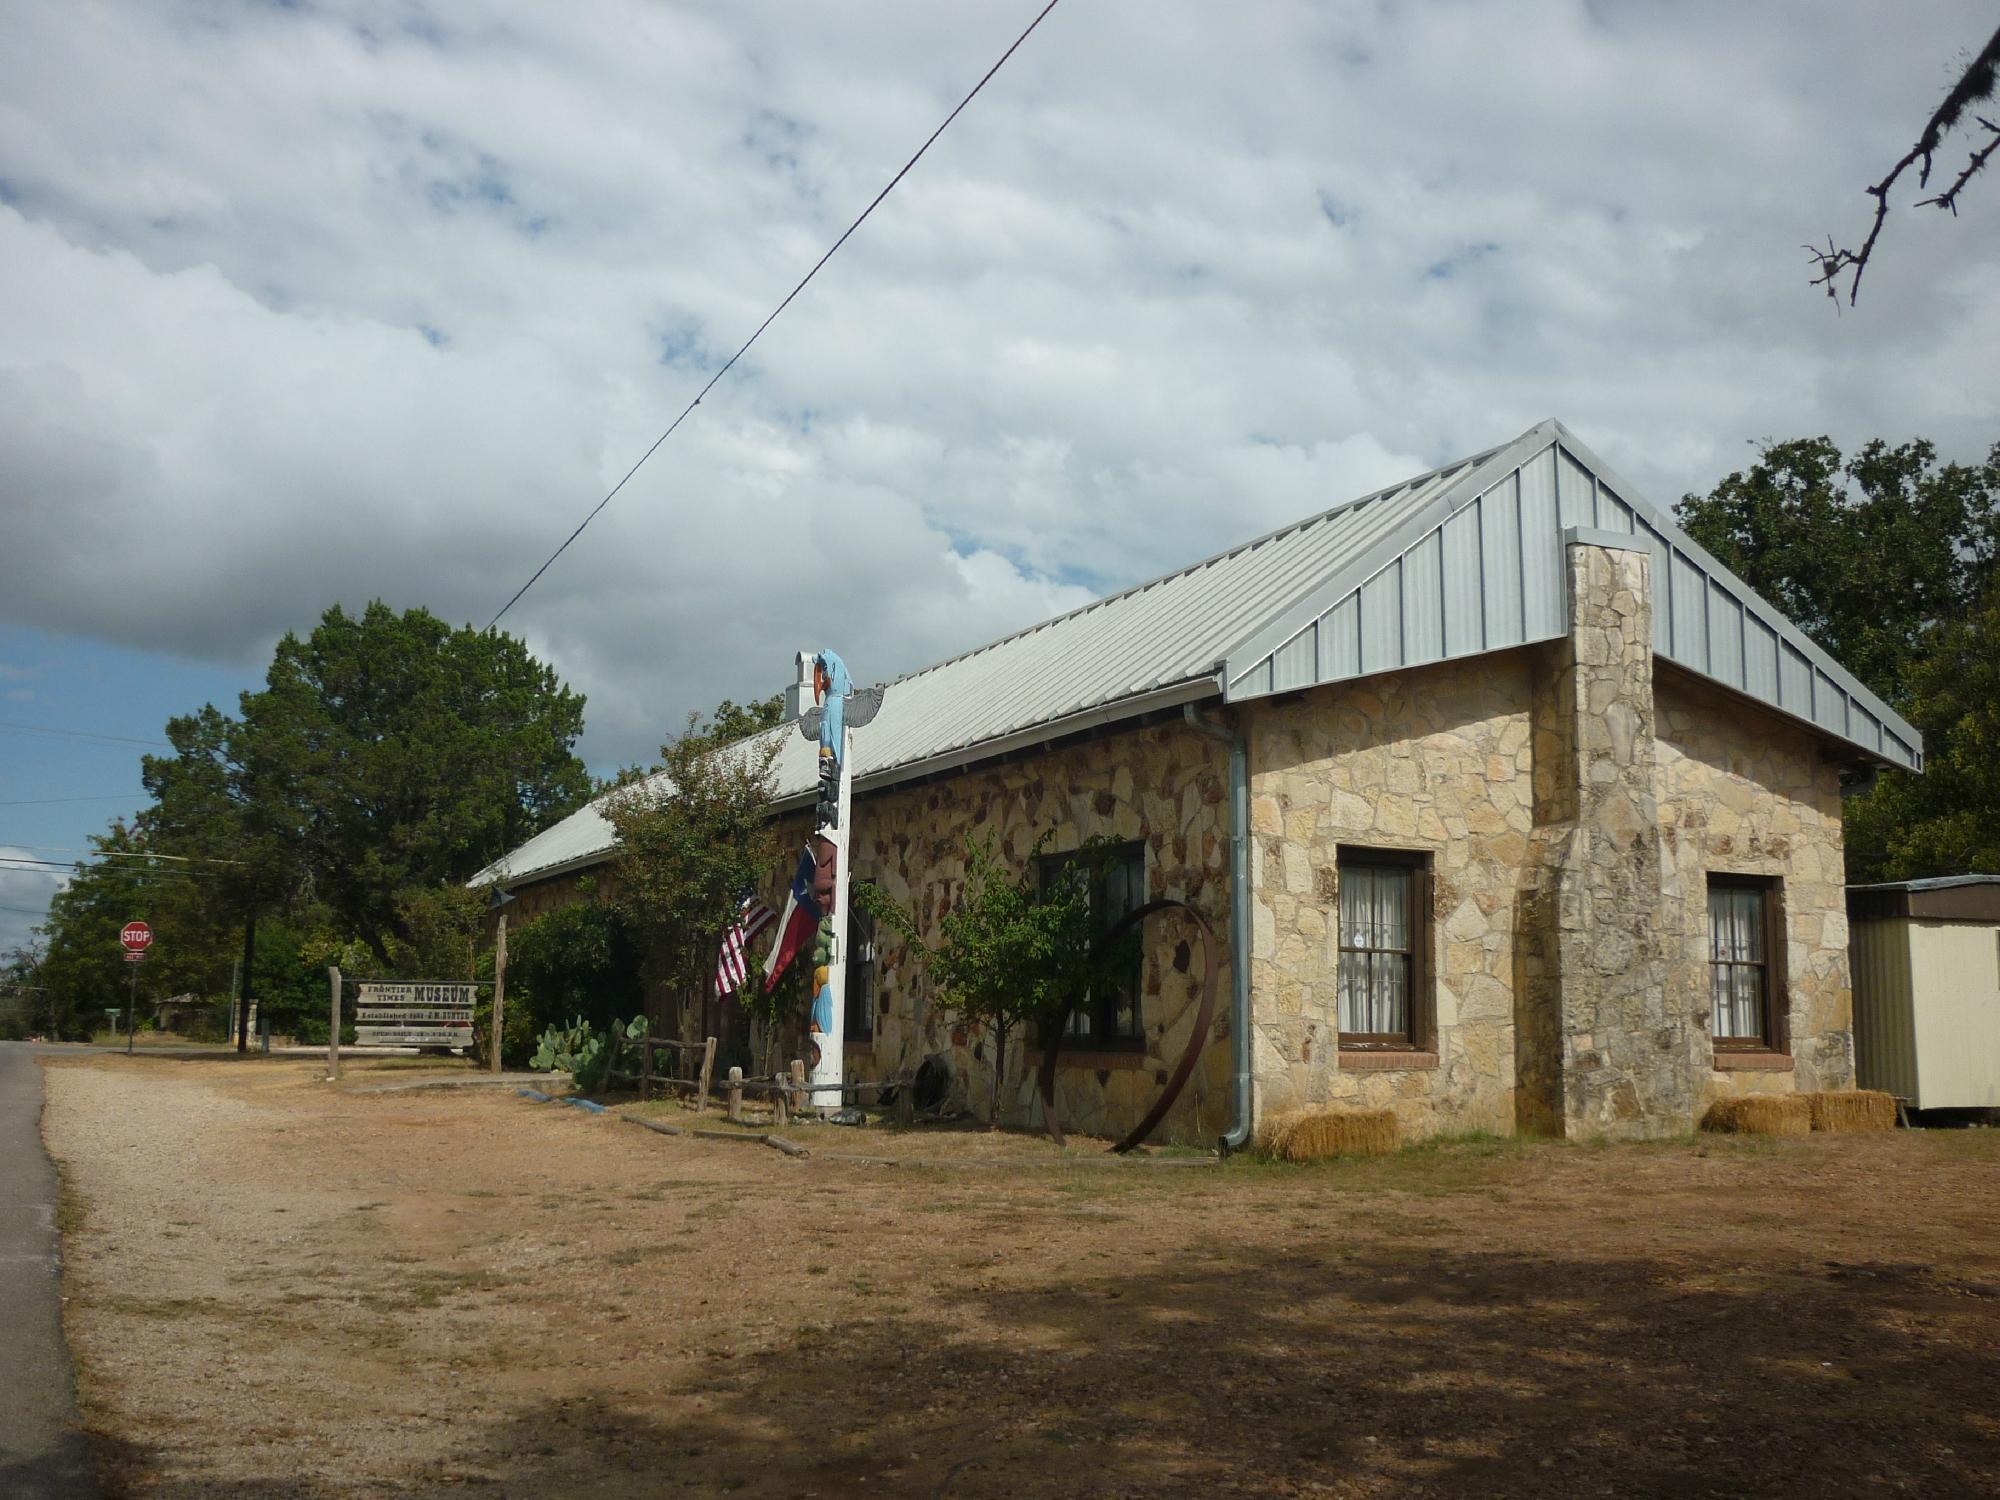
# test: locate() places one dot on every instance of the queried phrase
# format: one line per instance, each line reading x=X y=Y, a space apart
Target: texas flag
x=809 y=900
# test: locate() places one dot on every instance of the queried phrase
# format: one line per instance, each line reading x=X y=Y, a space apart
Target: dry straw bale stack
x=1313 y=1134
x=1760 y=1114
x=1852 y=1109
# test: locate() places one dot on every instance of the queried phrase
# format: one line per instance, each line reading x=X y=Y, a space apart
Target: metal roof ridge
x=1224 y=555
x=1676 y=536
x=1469 y=480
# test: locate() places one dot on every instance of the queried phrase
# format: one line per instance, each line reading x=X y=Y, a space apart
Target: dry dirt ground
x=281 y=1288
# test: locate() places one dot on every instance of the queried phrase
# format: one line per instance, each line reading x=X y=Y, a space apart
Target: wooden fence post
x=333 y=1031
x=798 y=1088
x=780 y=1116
x=736 y=1096
x=646 y=1061
x=707 y=1075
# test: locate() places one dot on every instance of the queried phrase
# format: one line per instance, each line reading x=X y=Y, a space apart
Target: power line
x=26 y=865
x=768 y=321
x=52 y=801
x=187 y=859
x=79 y=734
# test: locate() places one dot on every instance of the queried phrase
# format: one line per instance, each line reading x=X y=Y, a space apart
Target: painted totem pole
x=815 y=912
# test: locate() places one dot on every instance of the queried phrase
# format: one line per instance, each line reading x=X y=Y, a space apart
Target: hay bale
x=1314 y=1134
x=1760 y=1114
x=1852 y=1109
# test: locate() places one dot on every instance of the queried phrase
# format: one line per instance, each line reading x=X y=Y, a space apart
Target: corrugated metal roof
x=1477 y=565
x=1463 y=560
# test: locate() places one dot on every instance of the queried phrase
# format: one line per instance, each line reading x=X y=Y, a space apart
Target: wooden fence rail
x=783 y=1089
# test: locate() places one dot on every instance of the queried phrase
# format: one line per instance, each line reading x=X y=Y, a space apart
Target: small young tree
x=1018 y=950
x=691 y=839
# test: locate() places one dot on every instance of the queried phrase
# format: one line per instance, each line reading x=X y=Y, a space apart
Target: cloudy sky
x=325 y=302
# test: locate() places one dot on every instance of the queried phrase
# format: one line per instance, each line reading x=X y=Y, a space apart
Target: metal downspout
x=1238 y=1135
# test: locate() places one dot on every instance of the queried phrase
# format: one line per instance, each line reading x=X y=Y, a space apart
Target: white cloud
x=376 y=299
x=24 y=895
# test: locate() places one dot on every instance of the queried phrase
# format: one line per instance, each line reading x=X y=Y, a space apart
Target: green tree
x=22 y=1007
x=85 y=973
x=1946 y=821
x=386 y=754
x=1017 y=950
x=692 y=838
x=578 y=960
x=1891 y=562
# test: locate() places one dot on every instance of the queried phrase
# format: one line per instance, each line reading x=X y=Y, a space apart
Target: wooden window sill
x=1383 y=1059
x=1751 y=1062
x=1085 y=1060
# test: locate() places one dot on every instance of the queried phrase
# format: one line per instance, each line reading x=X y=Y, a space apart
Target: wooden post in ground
x=780 y=1116
x=736 y=1096
x=499 y=985
x=333 y=1023
x=707 y=1076
x=646 y=1061
x=799 y=1077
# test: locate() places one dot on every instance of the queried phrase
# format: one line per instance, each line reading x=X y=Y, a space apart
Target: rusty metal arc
x=1183 y=1070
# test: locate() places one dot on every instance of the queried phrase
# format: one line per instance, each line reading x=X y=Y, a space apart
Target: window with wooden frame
x=1384 y=930
x=1746 y=985
x=860 y=1009
x=1111 y=1022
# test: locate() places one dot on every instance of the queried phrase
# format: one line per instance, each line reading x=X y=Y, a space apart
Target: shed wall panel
x=1885 y=1055
x=1955 y=986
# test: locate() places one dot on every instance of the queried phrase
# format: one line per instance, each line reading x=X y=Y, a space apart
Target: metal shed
x=1926 y=961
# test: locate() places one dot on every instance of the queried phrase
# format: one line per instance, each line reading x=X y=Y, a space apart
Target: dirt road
x=283 y=1290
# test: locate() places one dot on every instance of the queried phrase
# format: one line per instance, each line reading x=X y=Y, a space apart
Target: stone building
x=1513 y=809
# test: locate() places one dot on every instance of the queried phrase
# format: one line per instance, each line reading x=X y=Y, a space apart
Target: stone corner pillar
x=1605 y=1047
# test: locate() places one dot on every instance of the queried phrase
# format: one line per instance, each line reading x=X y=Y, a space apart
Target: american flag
x=731 y=969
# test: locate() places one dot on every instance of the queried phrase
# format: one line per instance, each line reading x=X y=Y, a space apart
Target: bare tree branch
x=1978 y=81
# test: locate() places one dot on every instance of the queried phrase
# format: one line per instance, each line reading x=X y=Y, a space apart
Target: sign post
x=500 y=986
x=135 y=937
x=333 y=1027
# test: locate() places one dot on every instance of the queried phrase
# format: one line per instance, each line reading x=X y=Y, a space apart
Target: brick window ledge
x=1752 y=1062
x=1084 y=1060
x=1383 y=1059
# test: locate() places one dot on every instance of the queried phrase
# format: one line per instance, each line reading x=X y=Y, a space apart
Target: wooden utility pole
x=333 y=1029
x=499 y=985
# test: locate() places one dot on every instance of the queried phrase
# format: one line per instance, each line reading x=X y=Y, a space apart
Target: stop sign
x=136 y=936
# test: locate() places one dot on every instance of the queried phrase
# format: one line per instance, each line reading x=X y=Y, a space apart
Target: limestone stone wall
x=1625 y=1025
x=1744 y=791
x=1163 y=785
x=1437 y=759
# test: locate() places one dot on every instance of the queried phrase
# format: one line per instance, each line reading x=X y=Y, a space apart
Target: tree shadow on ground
x=1376 y=1372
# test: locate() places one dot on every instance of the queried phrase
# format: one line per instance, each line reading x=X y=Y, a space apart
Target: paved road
x=42 y=1453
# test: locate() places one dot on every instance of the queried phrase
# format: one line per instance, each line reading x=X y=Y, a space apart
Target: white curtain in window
x=1736 y=956
x=1375 y=982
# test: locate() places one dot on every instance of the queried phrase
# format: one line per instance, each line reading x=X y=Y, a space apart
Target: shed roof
x=1942 y=898
x=1460 y=561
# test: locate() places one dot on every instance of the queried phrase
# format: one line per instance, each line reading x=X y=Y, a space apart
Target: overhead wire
x=202 y=859
x=52 y=801
x=53 y=732
x=729 y=363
